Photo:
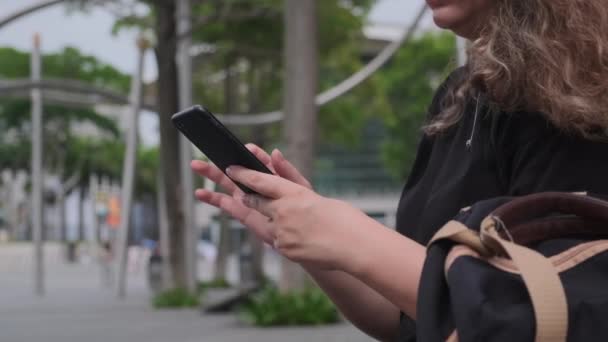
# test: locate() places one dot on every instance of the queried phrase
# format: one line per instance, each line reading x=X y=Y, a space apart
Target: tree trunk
x=257 y=258
x=163 y=232
x=10 y=204
x=63 y=232
x=81 y=196
x=93 y=192
x=301 y=78
x=224 y=245
x=169 y=143
x=261 y=139
x=223 y=248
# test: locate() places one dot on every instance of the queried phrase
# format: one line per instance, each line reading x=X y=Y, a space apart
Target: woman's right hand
x=230 y=202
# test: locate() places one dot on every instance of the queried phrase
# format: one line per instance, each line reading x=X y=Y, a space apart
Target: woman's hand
x=306 y=227
x=228 y=202
x=322 y=232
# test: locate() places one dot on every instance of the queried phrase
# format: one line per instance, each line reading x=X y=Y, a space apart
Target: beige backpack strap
x=540 y=277
x=542 y=281
x=458 y=232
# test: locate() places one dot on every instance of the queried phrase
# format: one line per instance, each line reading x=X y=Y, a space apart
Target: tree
x=301 y=84
x=66 y=155
x=68 y=63
x=168 y=104
x=257 y=43
x=60 y=121
x=249 y=34
x=410 y=81
x=259 y=51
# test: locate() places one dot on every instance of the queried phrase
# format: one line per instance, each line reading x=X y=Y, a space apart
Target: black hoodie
x=508 y=154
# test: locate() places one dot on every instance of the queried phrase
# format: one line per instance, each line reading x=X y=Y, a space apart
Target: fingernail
x=229 y=170
x=280 y=154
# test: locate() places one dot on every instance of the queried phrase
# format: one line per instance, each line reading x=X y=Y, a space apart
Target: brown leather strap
x=556 y=228
x=533 y=206
x=540 y=277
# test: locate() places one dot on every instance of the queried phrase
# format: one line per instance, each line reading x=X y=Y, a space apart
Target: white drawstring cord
x=469 y=143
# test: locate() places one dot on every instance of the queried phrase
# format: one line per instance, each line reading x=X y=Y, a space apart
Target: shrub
x=175 y=298
x=213 y=284
x=270 y=307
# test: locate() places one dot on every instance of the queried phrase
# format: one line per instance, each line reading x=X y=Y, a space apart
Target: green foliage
x=15 y=155
x=399 y=94
x=68 y=64
x=174 y=299
x=231 y=23
x=16 y=114
x=251 y=31
x=147 y=170
x=410 y=81
x=270 y=307
x=339 y=22
x=342 y=120
x=213 y=284
x=67 y=149
x=105 y=157
x=64 y=153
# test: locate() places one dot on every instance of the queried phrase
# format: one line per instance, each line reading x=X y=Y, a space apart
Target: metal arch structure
x=35 y=8
x=88 y=92
x=29 y=10
x=70 y=92
x=340 y=89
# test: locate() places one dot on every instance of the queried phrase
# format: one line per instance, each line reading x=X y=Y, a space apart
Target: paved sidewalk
x=77 y=307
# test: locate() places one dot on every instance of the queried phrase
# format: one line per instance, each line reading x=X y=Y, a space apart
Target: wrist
x=362 y=245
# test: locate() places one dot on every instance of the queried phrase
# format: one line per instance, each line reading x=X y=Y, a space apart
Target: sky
x=91 y=33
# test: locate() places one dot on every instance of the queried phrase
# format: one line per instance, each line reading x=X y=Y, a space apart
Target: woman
x=525 y=115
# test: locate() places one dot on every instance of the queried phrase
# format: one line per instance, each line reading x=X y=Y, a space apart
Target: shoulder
x=523 y=128
x=515 y=126
x=535 y=155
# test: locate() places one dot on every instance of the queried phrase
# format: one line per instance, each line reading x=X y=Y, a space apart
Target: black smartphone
x=222 y=147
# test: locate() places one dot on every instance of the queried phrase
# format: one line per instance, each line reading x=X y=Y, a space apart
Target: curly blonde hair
x=547 y=56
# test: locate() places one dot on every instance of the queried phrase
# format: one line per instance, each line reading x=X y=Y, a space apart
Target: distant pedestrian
x=106 y=259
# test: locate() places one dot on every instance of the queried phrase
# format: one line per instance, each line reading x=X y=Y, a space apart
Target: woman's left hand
x=308 y=228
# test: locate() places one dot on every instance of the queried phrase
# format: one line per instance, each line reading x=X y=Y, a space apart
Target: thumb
x=286 y=169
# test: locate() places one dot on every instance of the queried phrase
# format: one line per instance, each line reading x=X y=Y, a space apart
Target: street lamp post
x=184 y=66
x=128 y=175
x=37 y=176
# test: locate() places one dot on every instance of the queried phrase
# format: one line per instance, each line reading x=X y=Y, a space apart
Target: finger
x=222 y=201
x=261 y=155
x=286 y=169
x=259 y=152
x=260 y=204
x=250 y=218
x=212 y=172
x=270 y=186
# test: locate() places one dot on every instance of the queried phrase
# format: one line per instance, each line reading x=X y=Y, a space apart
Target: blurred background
x=100 y=236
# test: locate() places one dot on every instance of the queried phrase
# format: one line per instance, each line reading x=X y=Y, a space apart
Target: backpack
x=531 y=268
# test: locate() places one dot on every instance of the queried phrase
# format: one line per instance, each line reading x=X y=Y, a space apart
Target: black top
x=511 y=154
